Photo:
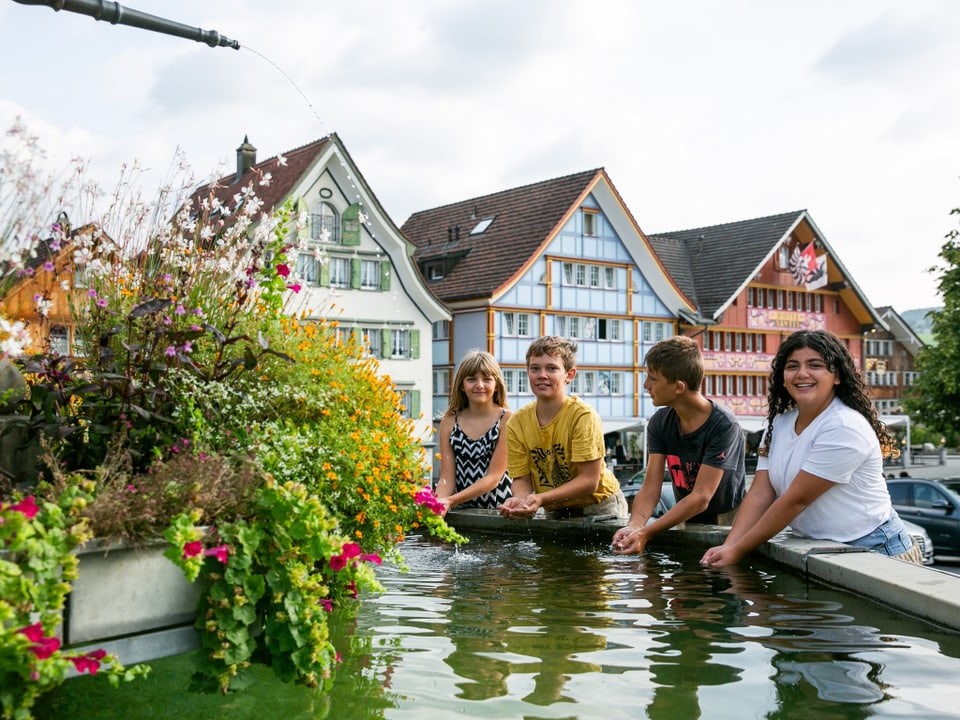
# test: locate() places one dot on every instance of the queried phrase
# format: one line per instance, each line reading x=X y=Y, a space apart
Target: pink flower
x=338 y=562
x=327 y=604
x=28 y=506
x=192 y=549
x=91 y=293
x=371 y=557
x=48 y=266
x=283 y=270
x=171 y=351
x=296 y=287
x=350 y=550
x=101 y=302
x=43 y=647
x=89 y=662
x=180 y=310
x=426 y=497
x=220 y=552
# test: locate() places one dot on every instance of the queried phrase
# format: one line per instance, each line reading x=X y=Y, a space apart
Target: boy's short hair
x=678 y=358
x=554 y=346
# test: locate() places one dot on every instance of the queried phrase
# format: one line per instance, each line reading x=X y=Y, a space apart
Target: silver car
x=922 y=538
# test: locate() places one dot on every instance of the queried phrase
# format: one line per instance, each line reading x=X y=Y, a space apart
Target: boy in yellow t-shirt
x=555 y=449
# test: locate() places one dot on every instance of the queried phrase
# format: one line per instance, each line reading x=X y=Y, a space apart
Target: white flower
x=281 y=160
x=82 y=256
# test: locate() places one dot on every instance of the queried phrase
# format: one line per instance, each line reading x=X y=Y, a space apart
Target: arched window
x=325 y=224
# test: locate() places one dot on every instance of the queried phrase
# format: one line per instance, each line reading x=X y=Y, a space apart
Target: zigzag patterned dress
x=472 y=458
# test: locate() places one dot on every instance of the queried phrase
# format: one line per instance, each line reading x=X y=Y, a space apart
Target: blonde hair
x=476 y=362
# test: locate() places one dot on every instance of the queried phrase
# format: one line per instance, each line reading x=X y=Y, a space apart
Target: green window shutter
x=385 y=275
x=300 y=207
x=414 y=344
x=325 y=274
x=355 y=273
x=413 y=403
x=350 y=225
x=386 y=343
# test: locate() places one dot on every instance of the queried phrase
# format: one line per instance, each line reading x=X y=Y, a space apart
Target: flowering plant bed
x=267 y=451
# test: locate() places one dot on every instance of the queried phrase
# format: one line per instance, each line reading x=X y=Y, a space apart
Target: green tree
x=935 y=398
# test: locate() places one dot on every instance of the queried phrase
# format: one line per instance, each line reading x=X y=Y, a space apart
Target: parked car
x=922 y=538
x=631 y=486
x=932 y=504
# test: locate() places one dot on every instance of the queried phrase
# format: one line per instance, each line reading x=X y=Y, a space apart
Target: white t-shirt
x=839 y=446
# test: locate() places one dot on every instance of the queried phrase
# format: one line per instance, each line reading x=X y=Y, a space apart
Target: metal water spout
x=117 y=14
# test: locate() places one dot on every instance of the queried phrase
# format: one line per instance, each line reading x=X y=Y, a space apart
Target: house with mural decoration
x=753 y=283
x=558 y=257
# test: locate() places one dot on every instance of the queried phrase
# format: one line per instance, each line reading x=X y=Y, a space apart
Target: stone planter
x=130 y=601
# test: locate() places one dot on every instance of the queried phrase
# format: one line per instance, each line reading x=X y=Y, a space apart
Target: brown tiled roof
x=709 y=264
x=524 y=218
x=283 y=175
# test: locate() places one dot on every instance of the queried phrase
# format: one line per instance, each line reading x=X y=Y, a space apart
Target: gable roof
x=901 y=330
x=285 y=172
x=523 y=219
x=290 y=174
x=712 y=265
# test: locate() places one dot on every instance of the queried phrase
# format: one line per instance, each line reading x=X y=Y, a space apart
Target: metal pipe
x=117 y=14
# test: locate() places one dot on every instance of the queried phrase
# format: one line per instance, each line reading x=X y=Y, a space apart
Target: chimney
x=246 y=158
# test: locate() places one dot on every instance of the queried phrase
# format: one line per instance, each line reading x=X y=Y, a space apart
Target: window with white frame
x=659 y=332
x=516 y=324
x=590 y=223
x=609 y=278
x=523 y=382
x=568 y=326
x=441 y=382
x=369 y=274
x=647 y=330
x=325 y=224
x=371 y=340
x=608 y=329
x=595 y=276
x=340 y=272
x=510 y=381
x=308 y=266
x=581 y=275
x=401 y=344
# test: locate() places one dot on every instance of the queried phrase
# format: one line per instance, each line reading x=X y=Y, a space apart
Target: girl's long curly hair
x=851 y=388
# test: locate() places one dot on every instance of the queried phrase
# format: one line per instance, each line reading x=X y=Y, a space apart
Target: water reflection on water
x=521 y=629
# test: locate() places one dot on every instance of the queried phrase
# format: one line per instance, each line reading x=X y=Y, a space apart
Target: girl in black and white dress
x=473 y=461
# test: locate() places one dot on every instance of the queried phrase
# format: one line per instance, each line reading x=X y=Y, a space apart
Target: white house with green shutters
x=353 y=264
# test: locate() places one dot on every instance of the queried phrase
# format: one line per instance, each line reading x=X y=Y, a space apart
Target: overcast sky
x=701 y=111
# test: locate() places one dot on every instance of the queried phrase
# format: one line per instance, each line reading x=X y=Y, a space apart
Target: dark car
x=933 y=505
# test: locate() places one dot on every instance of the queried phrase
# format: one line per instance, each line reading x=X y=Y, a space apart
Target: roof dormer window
x=481 y=227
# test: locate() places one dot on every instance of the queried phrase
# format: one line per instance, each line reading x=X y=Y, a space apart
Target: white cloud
x=702 y=112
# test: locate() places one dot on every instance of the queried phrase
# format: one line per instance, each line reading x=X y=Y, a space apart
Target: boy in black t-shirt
x=698 y=441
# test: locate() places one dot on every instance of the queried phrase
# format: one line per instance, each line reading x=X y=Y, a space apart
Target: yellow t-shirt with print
x=548 y=454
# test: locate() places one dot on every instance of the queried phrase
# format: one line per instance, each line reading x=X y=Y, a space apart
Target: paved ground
x=928 y=466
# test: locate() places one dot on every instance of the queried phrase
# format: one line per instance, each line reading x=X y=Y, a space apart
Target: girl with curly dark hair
x=820 y=469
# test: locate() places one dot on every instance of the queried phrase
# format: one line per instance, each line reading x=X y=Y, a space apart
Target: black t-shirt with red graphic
x=719 y=442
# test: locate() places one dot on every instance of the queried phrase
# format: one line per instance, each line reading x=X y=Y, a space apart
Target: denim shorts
x=890 y=538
